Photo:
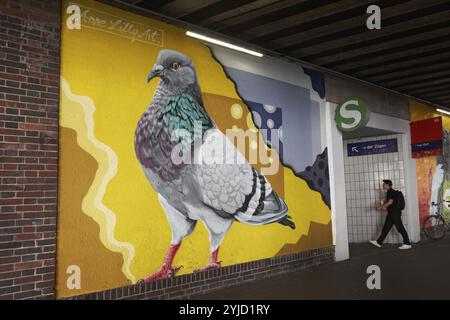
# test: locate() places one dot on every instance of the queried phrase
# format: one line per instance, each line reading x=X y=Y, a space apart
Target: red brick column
x=29 y=101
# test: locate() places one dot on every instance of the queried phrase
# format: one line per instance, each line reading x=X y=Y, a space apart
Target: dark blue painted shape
x=372 y=147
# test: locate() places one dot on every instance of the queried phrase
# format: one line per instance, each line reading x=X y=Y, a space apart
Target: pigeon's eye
x=175 y=66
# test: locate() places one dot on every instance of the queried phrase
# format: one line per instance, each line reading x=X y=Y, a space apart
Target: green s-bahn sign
x=352 y=115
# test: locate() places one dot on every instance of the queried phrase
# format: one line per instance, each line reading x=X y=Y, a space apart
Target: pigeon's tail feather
x=271 y=210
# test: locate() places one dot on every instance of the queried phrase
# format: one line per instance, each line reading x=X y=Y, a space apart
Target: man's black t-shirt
x=391 y=195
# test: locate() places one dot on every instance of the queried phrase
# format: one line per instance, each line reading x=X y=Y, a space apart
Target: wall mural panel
x=168 y=155
x=433 y=172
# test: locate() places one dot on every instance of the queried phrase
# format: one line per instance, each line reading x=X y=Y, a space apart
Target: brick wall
x=186 y=286
x=29 y=94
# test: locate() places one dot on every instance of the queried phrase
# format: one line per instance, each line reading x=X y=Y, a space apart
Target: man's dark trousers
x=394 y=217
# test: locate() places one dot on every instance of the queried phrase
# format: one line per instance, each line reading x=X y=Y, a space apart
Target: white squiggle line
x=96 y=192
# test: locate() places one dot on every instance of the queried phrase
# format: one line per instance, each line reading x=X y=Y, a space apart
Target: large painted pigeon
x=216 y=185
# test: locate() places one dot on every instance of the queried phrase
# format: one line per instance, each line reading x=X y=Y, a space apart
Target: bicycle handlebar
x=437 y=204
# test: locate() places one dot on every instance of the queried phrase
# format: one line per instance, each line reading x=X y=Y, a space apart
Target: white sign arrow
x=354 y=149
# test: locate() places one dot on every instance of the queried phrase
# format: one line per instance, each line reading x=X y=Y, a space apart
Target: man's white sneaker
x=405 y=247
x=375 y=243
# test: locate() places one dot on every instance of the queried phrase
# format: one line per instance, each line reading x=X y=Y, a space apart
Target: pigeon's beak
x=156 y=72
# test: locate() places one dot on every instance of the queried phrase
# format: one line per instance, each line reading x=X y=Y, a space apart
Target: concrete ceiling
x=410 y=54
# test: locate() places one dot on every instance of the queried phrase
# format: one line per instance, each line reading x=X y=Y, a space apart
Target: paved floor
x=420 y=273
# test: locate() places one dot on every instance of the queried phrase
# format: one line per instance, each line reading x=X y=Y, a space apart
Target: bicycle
x=435 y=227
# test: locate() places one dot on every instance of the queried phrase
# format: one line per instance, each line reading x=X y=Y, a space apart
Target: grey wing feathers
x=230 y=186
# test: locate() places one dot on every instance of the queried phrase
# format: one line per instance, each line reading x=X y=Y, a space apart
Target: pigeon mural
x=217 y=193
x=152 y=176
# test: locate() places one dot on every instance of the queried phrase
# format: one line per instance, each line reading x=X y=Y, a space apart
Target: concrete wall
x=379 y=100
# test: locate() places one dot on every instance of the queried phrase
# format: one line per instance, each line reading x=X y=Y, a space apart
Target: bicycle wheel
x=434 y=227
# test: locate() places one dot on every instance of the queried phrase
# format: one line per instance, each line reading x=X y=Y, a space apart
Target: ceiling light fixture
x=443 y=111
x=223 y=44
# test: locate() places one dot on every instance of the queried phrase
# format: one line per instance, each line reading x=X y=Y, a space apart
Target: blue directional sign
x=372 y=147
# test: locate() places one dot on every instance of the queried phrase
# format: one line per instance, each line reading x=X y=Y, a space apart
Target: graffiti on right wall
x=433 y=172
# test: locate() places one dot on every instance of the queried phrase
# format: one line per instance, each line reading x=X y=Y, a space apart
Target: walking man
x=393 y=217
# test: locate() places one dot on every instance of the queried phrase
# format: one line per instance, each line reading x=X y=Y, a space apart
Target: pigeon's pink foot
x=210 y=266
x=163 y=273
x=213 y=263
x=166 y=270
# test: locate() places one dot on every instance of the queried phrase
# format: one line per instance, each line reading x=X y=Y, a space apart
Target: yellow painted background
x=108 y=73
